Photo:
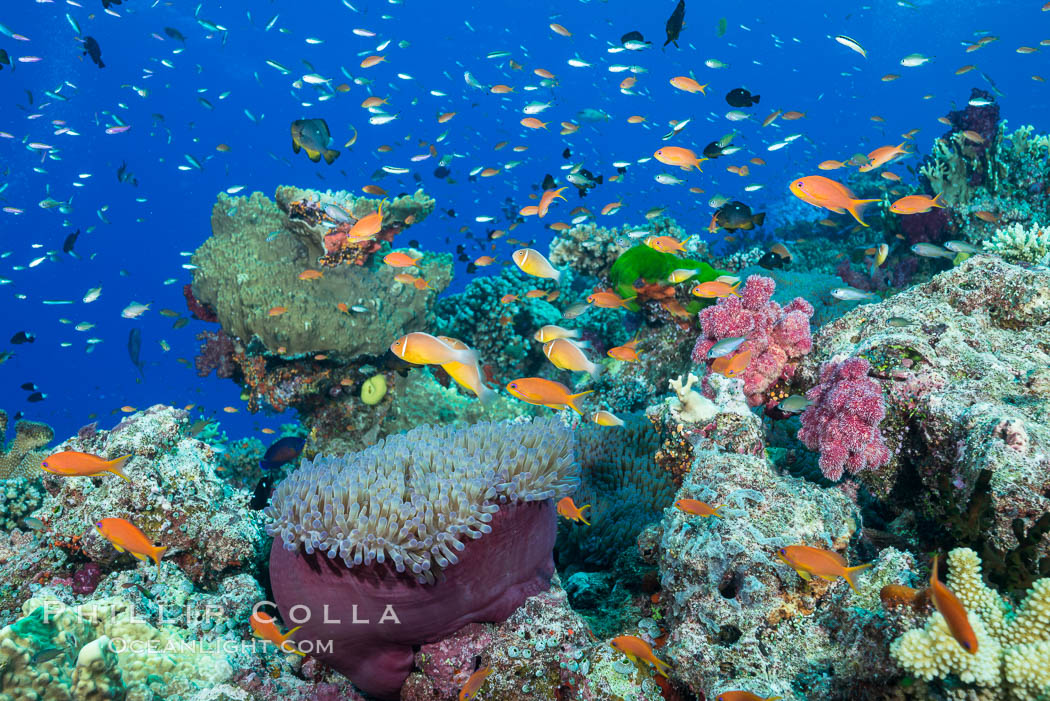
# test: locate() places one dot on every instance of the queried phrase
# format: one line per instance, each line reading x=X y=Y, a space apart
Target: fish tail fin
x=295 y=146
x=759 y=219
x=573 y=401
x=315 y=156
x=330 y=155
x=660 y=666
x=557 y=275
x=486 y=395
x=580 y=510
x=856 y=208
x=756 y=98
x=936 y=201
x=116 y=467
x=594 y=370
x=851 y=571
x=734 y=288
x=716 y=511
x=157 y=553
x=687 y=240
x=287 y=636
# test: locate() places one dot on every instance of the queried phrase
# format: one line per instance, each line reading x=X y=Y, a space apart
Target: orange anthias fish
x=421 y=348
x=467 y=375
x=545 y=200
x=265 y=628
x=548 y=393
x=830 y=165
x=916 y=204
x=367 y=226
x=697 y=508
x=683 y=82
x=678 y=156
x=883 y=155
x=70 y=463
x=311 y=274
x=607 y=299
x=567 y=508
x=714 y=288
x=825 y=192
x=627 y=352
x=744 y=696
x=126 y=536
x=470 y=690
x=397 y=259
x=953 y=611
x=826 y=564
x=638 y=650
x=732 y=365
x=666 y=244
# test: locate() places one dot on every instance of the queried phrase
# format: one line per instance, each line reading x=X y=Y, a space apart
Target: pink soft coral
x=776 y=336
x=843 y=421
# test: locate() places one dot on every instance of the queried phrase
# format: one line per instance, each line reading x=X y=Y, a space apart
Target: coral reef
x=21 y=456
x=394 y=516
x=641 y=265
x=626 y=489
x=250 y=272
x=777 y=337
x=19 y=497
x=1019 y=244
x=1013 y=645
x=843 y=421
x=588 y=249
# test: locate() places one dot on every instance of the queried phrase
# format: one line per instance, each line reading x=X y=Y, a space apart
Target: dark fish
x=46 y=654
x=126 y=176
x=675 y=22
x=738 y=97
x=4 y=59
x=584 y=180
x=548 y=182
x=180 y=322
x=313 y=135
x=261 y=496
x=36 y=397
x=566 y=153
x=197 y=426
x=92 y=49
x=441 y=172
x=6 y=355
x=771 y=261
x=23 y=337
x=135 y=348
x=107 y=3
x=175 y=34
x=737 y=215
x=712 y=150
x=634 y=37
x=282 y=451
x=71 y=240
x=30 y=387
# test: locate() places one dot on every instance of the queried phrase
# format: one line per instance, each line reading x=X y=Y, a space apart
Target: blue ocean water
x=174 y=97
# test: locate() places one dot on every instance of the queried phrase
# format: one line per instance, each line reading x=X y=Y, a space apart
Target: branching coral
x=1019 y=244
x=843 y=421
x=1013 y=645
x=777 y=337
x=22 y=455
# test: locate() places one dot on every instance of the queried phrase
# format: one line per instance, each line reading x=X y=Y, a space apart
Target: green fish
x=313 y=136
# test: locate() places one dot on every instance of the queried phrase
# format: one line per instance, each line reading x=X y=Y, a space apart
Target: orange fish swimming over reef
x=825 y=192
x=566 y=355
x=949 y=606
x=567 y=508
x=637 y=650
x=666 y=244
x=732 y=365
x=311 y=274
x=607 y=299
x=397 y=259
x=421 y=348
x=367 y=226
x=744 y=696
x=697 y=508
x=628 y=352
x=687 y=84
x=466 y=375
x=826 y=564
x=678 y=156
x=883 y=155
x=916 y=204
x=70 y=463
x=265 y=627
x=126 y=536
x=470 y=689
x=714 y=288
x=544 y=392
x=546 y=198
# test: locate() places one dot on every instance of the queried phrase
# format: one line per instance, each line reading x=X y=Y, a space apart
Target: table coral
x=252 y=263
x=383 y=530
x=21 y=456
x=777 y=337
x=1013 y=645
x=842 y=423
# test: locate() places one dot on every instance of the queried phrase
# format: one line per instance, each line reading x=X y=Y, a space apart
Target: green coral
x=1019 y=244
x=252 y=263
x=643 y=263
x=1013 y=645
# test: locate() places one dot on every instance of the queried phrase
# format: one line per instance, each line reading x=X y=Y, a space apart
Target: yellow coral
x=1013 y=647
x=373 y=390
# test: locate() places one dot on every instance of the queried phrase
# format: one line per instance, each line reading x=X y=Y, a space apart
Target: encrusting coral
x=22 y=455
x=386 y=527
x=1013 y=645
